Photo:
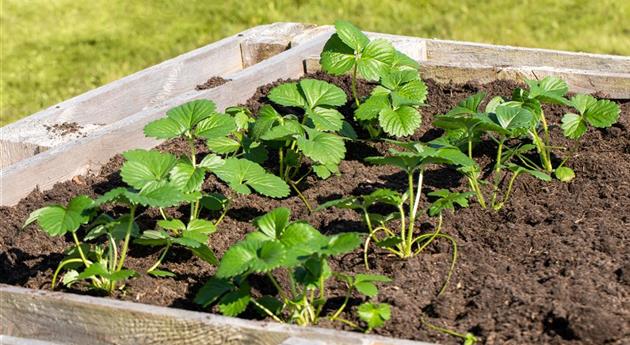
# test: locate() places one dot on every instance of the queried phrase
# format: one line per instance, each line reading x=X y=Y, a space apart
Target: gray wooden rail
x=112 y=117
x=62 y=318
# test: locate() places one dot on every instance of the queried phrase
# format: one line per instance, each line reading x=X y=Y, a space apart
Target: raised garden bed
x=550 y=267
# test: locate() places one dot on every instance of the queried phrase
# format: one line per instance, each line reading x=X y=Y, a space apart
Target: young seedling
x=551 y=90
x=102 y=265
x=405 y=243
x=319 y=135
x=465 y=125
x=292 y=250
x=469 y=338
x=350 y=49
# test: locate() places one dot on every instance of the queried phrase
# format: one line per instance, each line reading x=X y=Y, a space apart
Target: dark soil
x=63 y=129
x=211 y=83
x=551 y=268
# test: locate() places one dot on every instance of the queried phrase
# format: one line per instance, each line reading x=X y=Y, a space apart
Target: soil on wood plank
x=551 y=268
x=211 y=83
x=63 y=129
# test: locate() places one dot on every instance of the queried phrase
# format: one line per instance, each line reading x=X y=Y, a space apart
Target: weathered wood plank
x=77 y=157
x=148 y=88
x=11 y=152
x=613 y=85
x=462 y=53
x=74 y=319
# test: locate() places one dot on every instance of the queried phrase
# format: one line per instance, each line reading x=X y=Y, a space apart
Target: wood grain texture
x=63 y=162
x=64 y=318
x=11 y=152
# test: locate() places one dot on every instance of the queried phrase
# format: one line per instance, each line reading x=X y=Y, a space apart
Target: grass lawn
x=52 y=50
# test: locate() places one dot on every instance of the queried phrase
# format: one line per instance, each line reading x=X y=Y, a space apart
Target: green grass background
x=52 y=50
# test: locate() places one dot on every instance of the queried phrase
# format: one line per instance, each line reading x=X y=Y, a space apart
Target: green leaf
x=468 y=106
x=287 y=94
x=573 y=126
x=336 y=58
x=373 y=314
x=173 y=224
x=211 y=162
x=492 y=105
x=223 y=145
x=326 y=119
x=324 y=148
x=402 y=60
x=375 y=58
x=602 y=114
x=212 y=290
x=318 y=93
x=284 y=131
x=165 y=128
x=189 y=114
x=342 y=243
x=201 y=226
x=236 y=260
x=57 y=220
x=235 y=302
x=214 y=202
x=206 y=254
x=301 y=240
x=122 y=275
x=513 y=118
x=269 y=255
x=158 y=195
x=240 y=173
x=351 y=35
x=447 y=200
x=270 y=303
x=95 y=269
x=411 y=93
x=400 y=122
x=350 y=202
x=216 y=126
x=161 y=273
x=366 y=288
x=371 y=108
x=550 y=90
x=564 y=174
x=186 y=177
x=143 y=167
x=267 y=118
x=383 y=195
x=273 y=223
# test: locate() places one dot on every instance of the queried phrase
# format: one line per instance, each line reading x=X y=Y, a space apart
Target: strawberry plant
x=318 y=136
x=393 y=105
x=405 y=242
x=551 y=90
x=350 y=49
x=466 y=124
x=295 y=251
x=100 y=264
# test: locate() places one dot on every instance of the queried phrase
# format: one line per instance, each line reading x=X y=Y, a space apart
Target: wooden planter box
x=111 y=120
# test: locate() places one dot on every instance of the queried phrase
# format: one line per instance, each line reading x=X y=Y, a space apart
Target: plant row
x=303 y=131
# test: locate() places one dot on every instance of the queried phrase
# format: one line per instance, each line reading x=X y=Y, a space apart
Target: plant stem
x=78 y=244
x=163 y=214
x=159 y=261
x=125 y=247
x=281 y=158
x=267 y=311
x=61 y=265
x=354 y=85
x=368 y=222
x=412 y=217
x=308 y=206
x=507 y=193
x=342 y=307
x=403 y=230
x=225 y=210
x=547 y=153
x=277 y=286
x=497 y=172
